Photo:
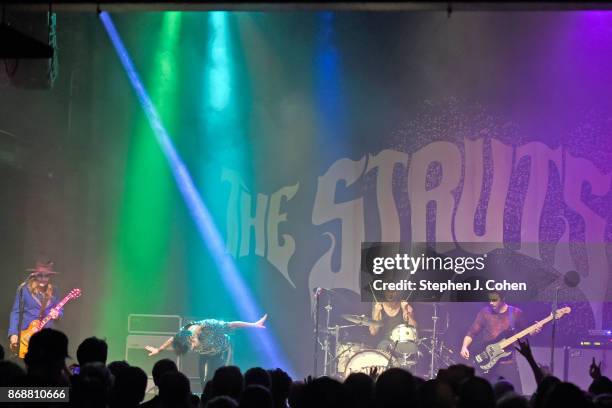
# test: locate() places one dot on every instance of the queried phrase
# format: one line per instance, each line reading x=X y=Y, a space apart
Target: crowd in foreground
x=94 y=383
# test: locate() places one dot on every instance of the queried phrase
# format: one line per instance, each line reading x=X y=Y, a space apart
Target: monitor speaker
x=153 y=324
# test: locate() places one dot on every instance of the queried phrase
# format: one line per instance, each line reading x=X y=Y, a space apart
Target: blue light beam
x=204 y=222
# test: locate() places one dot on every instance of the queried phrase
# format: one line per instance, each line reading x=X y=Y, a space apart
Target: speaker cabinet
x=571 y=364
x=542 y=356
x=153 y=324
x=136 y=355
x=579 y=360
x=190 y=366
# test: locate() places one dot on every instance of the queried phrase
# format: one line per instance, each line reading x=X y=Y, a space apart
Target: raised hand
x=545 y=370
x=260 y=324
x=595 y=370
x=465 y=353
x=373 y=372
x=525 y=349
x=152 y=350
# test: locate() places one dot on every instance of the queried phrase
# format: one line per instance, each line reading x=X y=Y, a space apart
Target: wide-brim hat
x=43 y=268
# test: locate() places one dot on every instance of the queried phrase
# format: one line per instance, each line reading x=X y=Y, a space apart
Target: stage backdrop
x=306 y=134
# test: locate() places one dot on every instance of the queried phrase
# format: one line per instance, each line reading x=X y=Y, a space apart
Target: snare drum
x=403 y=333
x=366 y=359
x=406 y=338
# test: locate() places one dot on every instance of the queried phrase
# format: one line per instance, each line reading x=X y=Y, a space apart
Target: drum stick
x=372 y=290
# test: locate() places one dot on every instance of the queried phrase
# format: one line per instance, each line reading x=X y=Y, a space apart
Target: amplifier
x=596 y=339
x=596 y=343
x=153 y=324
x=190 y=363
x=571 y=364
x=604 y=333
x=579 y=360
x=542 y=356
x=136 y=355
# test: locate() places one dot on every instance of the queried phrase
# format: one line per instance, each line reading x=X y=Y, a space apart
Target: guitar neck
x=506 y=342
x=56 y=307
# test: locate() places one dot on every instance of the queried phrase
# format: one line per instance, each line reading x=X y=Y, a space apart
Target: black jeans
x=208 y=365
x=509 y=371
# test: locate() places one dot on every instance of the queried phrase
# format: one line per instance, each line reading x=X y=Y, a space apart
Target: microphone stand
x=316 y=331
x=326 y=342
x=21 y=311
x=553 y=331
x=434 y=341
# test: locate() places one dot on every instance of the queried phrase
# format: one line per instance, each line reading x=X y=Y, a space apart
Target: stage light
x=211 y=237
x=17 y=45
x=219 y=61
x=330 y=103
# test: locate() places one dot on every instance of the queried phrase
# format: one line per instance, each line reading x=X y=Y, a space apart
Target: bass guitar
x=495 y=351
x=37 y=325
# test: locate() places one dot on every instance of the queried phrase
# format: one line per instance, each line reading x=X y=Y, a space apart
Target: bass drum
x=344 y=352
x=365 y=360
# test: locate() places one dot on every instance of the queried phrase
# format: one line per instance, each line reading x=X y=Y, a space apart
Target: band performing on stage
x=218 y=204
x=397 y=342
x=395 y=339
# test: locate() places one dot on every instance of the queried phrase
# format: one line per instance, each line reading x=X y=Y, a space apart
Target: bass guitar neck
x=496 y=351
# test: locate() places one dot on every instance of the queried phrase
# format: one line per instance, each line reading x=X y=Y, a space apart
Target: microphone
x=319 y=290
x=571 y=279
x=27 y=279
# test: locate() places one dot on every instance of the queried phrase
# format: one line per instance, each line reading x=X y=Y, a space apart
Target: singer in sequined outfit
x=210 y=338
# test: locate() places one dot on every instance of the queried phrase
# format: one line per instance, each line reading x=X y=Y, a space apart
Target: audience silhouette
x=94 y=384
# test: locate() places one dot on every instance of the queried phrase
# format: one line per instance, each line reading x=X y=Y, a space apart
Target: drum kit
x=401 y=348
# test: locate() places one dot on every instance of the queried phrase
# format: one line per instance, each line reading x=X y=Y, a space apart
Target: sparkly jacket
x=214 y=336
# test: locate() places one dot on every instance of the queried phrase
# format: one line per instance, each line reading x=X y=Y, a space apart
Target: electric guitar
x=495 y=351
x=37 y=325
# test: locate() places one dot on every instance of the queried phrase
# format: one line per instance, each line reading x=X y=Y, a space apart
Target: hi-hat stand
x=324 y=345
x=434 y=341
x=439 y=352
x=326 y=342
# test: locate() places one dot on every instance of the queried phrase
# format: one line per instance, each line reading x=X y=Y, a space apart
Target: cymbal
x=361 y=320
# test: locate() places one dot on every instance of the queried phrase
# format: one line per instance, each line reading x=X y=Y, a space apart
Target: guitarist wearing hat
x=34 y=300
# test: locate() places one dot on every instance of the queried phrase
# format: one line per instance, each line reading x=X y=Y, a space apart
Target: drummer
x=392 y=313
